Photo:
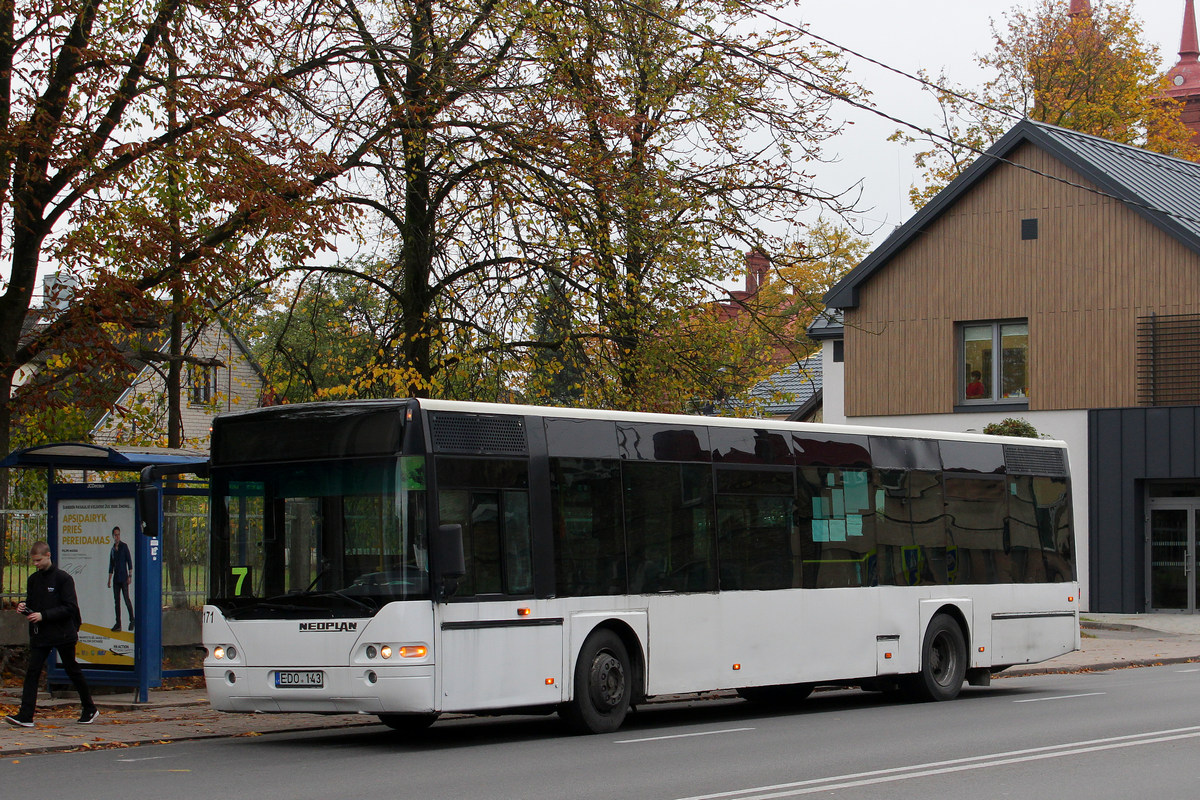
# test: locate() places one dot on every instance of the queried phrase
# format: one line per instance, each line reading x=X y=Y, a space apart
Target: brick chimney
x=756 y=271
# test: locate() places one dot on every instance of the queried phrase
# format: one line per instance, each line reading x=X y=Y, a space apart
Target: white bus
x=408 y=558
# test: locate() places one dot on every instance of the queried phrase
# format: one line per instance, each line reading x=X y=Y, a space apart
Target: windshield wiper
x=265 y=605
x=342 y=594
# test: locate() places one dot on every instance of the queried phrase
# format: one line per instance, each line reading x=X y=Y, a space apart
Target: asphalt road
x=1116 y=734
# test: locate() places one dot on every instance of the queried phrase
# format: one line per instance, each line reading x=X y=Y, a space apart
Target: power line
x=738 y=51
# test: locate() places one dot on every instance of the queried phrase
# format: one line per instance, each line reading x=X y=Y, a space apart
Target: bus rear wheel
x=602 y=685
x=943 y=661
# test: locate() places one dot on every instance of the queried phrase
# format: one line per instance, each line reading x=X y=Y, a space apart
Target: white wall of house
x=1069 y=426
x=235 y=386
x=833 y=387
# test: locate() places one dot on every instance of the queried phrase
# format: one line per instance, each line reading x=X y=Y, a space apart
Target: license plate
x=295 y=679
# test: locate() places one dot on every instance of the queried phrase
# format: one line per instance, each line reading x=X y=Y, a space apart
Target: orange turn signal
x=413 y=651
x=522 y=612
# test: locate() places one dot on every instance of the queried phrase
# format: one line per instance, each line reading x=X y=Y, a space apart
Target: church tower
x=1185 y=75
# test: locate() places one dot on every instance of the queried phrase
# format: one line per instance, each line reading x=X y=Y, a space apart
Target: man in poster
x=120 y=572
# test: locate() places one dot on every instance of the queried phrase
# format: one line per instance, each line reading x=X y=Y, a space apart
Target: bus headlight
x=218 y=652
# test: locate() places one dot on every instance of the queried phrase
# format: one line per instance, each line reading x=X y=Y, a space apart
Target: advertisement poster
x=85 y=545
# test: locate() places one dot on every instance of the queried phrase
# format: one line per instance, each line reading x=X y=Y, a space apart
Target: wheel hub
x=608 y=681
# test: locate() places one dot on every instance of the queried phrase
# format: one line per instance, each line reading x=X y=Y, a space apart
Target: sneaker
x=130 y=624
x=20 y=723
x=88 y=717
x=116 y=627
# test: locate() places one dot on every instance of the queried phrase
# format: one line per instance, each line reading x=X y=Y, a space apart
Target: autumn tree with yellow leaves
x=1090 y=72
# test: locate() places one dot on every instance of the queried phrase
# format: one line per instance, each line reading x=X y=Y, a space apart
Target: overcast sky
x=930 y=35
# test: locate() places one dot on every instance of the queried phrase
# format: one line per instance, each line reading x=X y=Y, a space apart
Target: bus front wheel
x=943 y=661
x=602 y=685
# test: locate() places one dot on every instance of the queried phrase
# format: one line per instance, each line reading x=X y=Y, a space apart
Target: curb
x=1100 y=666
x=171 y=739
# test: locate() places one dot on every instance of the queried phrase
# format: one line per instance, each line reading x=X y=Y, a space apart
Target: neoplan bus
x=407 y=558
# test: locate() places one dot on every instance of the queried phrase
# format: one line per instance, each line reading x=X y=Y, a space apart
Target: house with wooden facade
x=1056 y=280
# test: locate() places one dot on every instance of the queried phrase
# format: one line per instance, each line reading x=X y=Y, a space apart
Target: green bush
x=1011 y=426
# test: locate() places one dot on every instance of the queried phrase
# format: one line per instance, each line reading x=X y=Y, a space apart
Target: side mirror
x=448 y=558
x=148 y=508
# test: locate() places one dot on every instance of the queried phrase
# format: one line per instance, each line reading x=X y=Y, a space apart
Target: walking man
x=52 y=609
x=120 y=572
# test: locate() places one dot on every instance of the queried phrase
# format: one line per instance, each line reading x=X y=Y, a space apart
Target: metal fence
x=184 y=551
x=21 y=530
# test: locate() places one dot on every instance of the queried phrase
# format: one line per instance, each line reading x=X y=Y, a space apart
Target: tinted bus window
x=911 y=527
x=976 y=514
x=1039 y=523
x=1054 y=528
x=837 y=527
x=749 y=446
x=831 y=450
x=651 y=442
x=581 y=438
x=589 y=540
x=669 y=528
x=973 y=457
x=487 y=498
x=757 y=546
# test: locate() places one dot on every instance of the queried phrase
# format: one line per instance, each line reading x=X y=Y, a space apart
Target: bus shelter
x=82 y=517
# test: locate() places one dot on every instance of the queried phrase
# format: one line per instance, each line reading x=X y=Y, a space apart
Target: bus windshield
x=326 y=538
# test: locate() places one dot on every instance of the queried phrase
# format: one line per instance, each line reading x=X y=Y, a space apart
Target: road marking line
x=1187 y=670
x=681 y=735
x=954 y=765
x=132 y=760
x=1059 y=697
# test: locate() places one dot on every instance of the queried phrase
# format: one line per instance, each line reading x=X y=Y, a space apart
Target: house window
x=201 y=382
x=993 y=362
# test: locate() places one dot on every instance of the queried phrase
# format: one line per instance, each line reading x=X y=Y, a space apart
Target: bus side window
x=754 y=529
x=837 y=527
x=669 y=529
x=589 y=540
x=1054 y=528
x=976 y=521
x=489 y=498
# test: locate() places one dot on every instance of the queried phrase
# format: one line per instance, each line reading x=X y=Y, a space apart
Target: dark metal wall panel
x=1104 y=498
x=1158 y=442
x=1127 y=447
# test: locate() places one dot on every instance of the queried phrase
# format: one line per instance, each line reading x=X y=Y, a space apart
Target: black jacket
x=52 y=592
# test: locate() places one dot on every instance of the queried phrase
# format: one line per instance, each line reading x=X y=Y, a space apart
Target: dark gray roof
x=799 y=382
x=1163 y=189
x=827 y=325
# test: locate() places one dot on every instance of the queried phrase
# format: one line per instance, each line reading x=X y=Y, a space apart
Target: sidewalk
x=1111 y=641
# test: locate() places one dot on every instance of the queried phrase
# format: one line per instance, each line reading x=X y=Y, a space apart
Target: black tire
x=943 y=661
x=603 y=685
x=408 y=724
x=790 y=694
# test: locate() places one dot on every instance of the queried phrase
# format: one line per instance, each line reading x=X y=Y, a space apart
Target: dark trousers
x=33 y=676
x=118 y=590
